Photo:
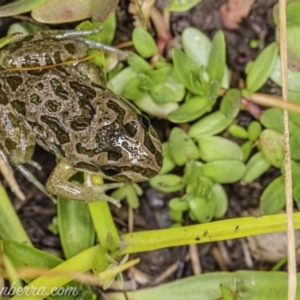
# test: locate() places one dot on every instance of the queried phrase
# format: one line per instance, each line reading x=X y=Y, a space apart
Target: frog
x=66 y=109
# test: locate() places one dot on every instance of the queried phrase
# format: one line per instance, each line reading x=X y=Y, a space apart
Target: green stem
x=203 y=233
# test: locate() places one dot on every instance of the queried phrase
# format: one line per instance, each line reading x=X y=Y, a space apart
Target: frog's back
x=83 y=123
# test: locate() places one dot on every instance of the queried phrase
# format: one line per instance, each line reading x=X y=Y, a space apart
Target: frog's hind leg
x=58 y=184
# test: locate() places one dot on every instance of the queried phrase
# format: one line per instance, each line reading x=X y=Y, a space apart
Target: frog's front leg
x=58 y=184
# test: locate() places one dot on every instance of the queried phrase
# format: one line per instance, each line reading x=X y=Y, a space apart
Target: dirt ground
x=38 y=211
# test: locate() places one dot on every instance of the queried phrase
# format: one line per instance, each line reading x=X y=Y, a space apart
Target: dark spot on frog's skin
x=3 y=98
x=48 y=60
x=80 y=123
x=30 y=61
x=57 y=57
x=82 y=91
x=39 y=86
x=56 y=127
x=37 y=73
x=58 y=89
x=146 y=172
x=62 y=69
x=70 y=47
x=131 y=128
x=149 y=145
x=53 y=105
x=14 y=82
x=35 y=99
x=89 y=152
x=15 y=122
x=113 y=155
x=86 y=166
x=10 y=145
x=98 y=86
x=19 y=107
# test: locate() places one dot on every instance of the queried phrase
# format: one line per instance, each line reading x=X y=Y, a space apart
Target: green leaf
x=254 y=130
x=19 y=7
x=101 y=10
x=246 y=149
x=295 y=144
x=138 y=63
x=230 y=104
x=143 y=42
x=219 y=196
x=271 y=143
x=167 y=183
x=182 y=147
x=162 y=93
x=182 y=5
x=190 y=110
x=178 y=204
x=256 y=166
x=196 y=45
x=168 y=163
x=133 y=91
x=213 y=148
x=273 y=197
x=107 y=34
x=217 y=57
x=262 y=68
x=292 y=13
x=238 y=131
x=188 y=72
x=202 y=209
x=76 y=229
x=224 y=171
x=212 y=124
x=272 y=118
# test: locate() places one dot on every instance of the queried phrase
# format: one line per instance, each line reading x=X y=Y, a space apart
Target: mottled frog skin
x=70 y=113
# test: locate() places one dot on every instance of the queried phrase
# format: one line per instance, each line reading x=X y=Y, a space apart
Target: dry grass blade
x=9 y=177
x=292 y=275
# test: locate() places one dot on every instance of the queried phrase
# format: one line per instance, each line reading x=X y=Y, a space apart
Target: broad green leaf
x=188 y=72
x=102 y=9
x=133 y=91
x=251 y=285
x=148 y=105
x=219 y=196
x=168 y=162
x=190 y=110
x=256 y=166
x=238 y=131
x=295 y=172
x=182 y=5
x=143 y=42
x=254 y=130
x=272 y=118
x=57 y=11
x=273 y=197
x=246 y=149
x=176 y=215
x=167 y=183
x=224 y=171
x=178 y=204
x=230 y=104
x=262 y=68
x=216 y=63
x=76 y=230
x=295 y=144
x=182 y=147
x=138 y=63
x=212 y=124
x=292 y=13
x=162 y=94
x=196 y=45
x=23 y=27
x=118 y=83
x=19 y=7
x=192 y=172
x=213 y=148
x=271 y=143
x=107 y=34
x=202 y=209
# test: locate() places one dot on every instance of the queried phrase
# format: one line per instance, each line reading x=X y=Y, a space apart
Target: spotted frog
x=68 y=111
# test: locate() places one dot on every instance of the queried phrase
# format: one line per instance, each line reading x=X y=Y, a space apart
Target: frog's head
x=131 y=149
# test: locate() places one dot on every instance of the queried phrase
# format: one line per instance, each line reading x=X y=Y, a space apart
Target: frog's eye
x=110 y=171
x=145 y=121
